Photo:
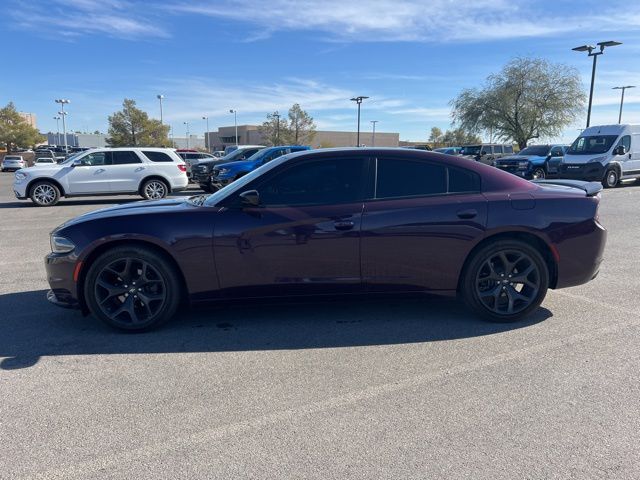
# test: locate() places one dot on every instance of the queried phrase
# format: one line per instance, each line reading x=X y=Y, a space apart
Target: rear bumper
x=580 y=248
x=584 y=171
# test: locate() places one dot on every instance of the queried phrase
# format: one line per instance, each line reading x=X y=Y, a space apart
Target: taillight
x=182 y=167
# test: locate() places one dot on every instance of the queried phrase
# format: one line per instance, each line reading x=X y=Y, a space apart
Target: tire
x=489 y=291
x=539 y=173
x=112 y=295
x=206 y=188
x=611 y=178
x=154 y=189
x=44 y=194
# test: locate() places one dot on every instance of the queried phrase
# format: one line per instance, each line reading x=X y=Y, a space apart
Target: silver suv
x=11 y=163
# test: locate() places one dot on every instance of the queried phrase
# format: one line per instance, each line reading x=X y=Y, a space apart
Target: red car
x=335 y=221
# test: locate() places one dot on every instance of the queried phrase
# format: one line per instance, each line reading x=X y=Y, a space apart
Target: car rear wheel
x=505 y=281
x=154 y=189
x=611 y=178
x=132 y=288
x=44 y=194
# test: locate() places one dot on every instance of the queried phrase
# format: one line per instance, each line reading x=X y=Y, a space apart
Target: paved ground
x=387 y=389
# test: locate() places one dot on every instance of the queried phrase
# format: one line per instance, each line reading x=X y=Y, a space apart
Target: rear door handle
x=343 y=224
x=466 y=214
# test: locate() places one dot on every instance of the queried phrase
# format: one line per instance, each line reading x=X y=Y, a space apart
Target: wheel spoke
x=112 y=290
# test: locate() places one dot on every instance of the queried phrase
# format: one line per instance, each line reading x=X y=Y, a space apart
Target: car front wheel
x=505 y=281
x=132 y=288
x=44 y=194
x=611 y=178
x=154 y=189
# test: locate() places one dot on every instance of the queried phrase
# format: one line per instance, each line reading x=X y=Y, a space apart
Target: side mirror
x=78 y=163
x=250 y=198
x=620 y=150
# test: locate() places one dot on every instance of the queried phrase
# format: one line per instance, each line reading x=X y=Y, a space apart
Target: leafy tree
x=436 y=135
x=529 y=98
x=459 y=136
x=15 y=131
x=301 y=128
x=132 y=127
x=273 y=129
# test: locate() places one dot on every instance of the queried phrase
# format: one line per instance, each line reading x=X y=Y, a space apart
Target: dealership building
x=250 y=135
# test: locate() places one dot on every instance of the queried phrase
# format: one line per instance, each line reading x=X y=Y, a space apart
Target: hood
x=590 y=158
x=49 y=169
x=141 y=207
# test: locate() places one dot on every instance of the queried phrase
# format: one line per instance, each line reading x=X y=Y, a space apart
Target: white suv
x=150 y=172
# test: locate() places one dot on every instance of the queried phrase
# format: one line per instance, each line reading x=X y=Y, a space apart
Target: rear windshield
x=12 y=158
x=592 y=144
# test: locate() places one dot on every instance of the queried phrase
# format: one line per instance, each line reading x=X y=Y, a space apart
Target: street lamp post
x=206 y=135
x=160 y=97
x=187 y=124
x=622 y=99
x=373 y=137
x=594 y=54
x=63 y=114
x=57 y=119
x=358 y=100
x=235 y=122
x=277 y=115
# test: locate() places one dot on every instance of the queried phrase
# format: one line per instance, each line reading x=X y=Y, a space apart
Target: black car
x=201 y=173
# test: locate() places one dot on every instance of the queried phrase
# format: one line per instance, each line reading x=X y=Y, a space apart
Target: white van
x=605 y=153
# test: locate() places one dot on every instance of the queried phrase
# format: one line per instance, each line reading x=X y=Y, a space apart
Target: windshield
x=257 y=155
x=592 y=144
x=234 y=156
x=471 y=150
x=536 y=150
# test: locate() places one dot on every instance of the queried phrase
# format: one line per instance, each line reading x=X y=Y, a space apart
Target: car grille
x=508 y=165
x=200 y=168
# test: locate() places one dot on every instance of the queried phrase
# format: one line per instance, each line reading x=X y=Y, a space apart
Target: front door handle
x=467 y=214
x=343 y=224
x=100 y=170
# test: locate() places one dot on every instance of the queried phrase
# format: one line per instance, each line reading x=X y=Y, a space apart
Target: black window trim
x=427 y=195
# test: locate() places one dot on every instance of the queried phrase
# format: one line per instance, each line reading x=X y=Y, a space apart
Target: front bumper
x=582 y=171
x=60 y=270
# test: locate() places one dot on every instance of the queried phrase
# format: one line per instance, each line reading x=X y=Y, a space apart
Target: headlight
x=523 y=165
x=597 y=159
x=20 y=176
x=223 y=171
x=61 y=244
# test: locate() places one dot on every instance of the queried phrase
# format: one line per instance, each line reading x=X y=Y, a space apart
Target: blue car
x=226 y=173
x=534 y=162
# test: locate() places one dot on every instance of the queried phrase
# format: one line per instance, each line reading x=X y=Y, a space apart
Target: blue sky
x=207 y=56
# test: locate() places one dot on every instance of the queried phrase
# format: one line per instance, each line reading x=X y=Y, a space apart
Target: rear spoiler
x=590 y=188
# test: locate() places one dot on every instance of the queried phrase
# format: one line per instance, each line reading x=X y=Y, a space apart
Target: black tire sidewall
x=539 y=169
x=55 y=189
x=166 y=270
x=605 y=182
x=468 y=286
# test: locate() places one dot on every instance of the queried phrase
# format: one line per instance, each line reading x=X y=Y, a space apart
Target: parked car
x=150 y=172
x=225 y=173
x=201 y=173
x=219 y=153
x=533 y=162
x=44 y=162
x=606 y=153
x=11 y=163
x=449 y=150
x=335 y=221
x=193 y=157
x=486 y=153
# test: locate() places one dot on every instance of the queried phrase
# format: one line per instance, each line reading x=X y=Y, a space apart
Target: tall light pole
x=622 y=99
x=358 y=100
x=187 y=124
x=160 y=97
x=235 y=122
x=594 y=54
x=277 y=115
x=206 y=135
x=63 y=114
x=373 y=137
x=57 y=119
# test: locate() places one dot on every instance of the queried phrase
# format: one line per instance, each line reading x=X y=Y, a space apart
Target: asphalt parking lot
x=391 y=388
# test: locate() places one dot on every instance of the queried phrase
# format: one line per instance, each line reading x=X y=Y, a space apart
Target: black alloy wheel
x=132 y=289
x=505 y=281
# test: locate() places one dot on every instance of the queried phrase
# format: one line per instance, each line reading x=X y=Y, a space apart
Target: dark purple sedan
x=335 y=221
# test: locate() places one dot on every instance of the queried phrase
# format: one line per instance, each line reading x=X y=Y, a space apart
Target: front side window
x=497 y=149
x=96 y=159
x=486 y=150
x=557 y=152
x=625 y=142
x=124 y=158
x=322 y=182
x=508 y=149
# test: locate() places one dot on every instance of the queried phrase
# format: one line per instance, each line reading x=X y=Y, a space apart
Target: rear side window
x=124 y=158
x=410 y=178
x=508 y=149
x=157 y=156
